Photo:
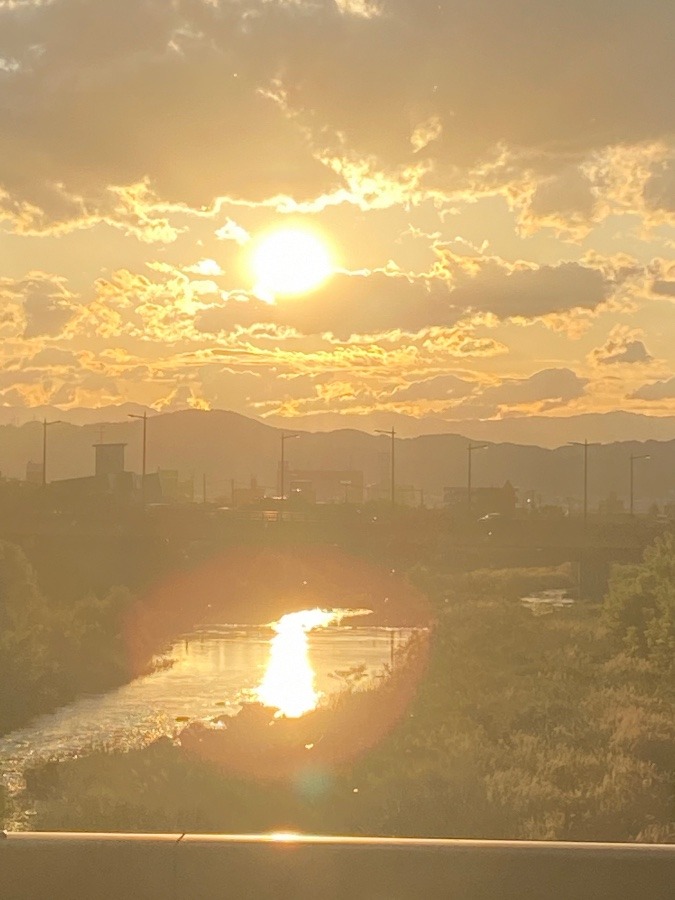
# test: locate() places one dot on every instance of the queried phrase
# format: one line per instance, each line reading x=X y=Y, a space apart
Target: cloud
x=374 y=303
x=655 y=390
x=523 y=291
x=425 y=133
x=37 y=305
x=347 y=305
x=554 y=386
x=449 y=395
x=630 y=352
x=564 y=202
x=622 y=346
x=198 y=100
x=109 y=95
x=230 y=231
x=659 y=190
x=474 y=60
x=440 y=387
x=664 y=288
x=204 y=267
x=52 y=357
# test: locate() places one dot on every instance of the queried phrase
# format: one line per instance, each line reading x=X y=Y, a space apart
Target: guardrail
x=65 y=866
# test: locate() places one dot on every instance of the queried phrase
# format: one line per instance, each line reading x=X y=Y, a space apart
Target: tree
x=25 y=667
x=640 y=604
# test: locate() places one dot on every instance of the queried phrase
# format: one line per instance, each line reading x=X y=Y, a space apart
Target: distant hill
x=225 y=446
x=541 y=431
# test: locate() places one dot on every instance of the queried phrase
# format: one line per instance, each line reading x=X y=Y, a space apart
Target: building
x=404 y=494
x=111 y=478
x=324 y=485
x=109 y=459
x=245 y=496
x=484 y=500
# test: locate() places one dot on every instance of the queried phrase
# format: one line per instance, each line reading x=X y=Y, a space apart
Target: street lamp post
x=45 y=425
x=470 y=450
x=392 y=435
x=633 y=457
x=144 y=417
x=284 y=437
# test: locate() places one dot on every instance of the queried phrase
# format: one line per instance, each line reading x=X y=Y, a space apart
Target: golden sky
x=491 y=185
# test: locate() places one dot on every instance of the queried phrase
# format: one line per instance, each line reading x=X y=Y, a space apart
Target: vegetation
x=483 y=584
x=640 y=605
x=50 y=651
x=507 y=725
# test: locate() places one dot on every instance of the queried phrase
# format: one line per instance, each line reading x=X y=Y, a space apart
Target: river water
x=204 y=674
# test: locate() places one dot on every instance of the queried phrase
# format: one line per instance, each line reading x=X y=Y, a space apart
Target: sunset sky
x=482 y=195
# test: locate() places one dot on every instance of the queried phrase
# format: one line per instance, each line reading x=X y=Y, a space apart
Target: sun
x=289 y=261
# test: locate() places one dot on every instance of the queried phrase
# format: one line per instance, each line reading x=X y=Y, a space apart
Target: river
x=203 y=674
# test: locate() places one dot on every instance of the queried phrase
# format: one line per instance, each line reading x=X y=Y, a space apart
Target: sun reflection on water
x=288 y=684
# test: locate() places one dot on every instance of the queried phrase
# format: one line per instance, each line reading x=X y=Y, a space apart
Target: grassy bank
x=511 y=726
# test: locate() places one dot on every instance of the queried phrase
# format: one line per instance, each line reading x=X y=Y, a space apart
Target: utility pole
x=144 y=417
x=285 y=436
x=470 y=450
x=585 y=445
x=633 y=457
x=45 y=425
x=583 y=548
x=392 y=434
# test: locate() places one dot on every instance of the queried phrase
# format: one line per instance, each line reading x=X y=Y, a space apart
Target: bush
x=640 y=604
x=49 y=653
x=26 y=668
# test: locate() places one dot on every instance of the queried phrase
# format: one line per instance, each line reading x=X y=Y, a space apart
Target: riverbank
x=51 y=652
x=212 y=674
x=53 y=649
x=518 y=726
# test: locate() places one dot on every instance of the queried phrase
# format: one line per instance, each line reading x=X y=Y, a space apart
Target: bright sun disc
x=289 y=261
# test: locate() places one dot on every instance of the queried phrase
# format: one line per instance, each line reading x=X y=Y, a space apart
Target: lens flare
x=288 y=684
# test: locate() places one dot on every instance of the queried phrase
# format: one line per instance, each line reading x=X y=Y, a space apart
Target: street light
x=470 y=450
x=45 y=425
x=285 y=436
x=585 y=445
x=633 y=457
x=144 y=417
x=392 y=435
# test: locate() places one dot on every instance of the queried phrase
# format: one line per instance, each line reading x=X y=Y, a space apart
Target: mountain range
x=226 y=446
x=541 y=431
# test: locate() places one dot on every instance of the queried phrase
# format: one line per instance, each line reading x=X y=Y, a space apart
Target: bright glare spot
x=288 y=684
x=284 y=836
x=289 y=261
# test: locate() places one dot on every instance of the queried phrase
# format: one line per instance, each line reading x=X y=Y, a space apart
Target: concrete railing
x=34 y=866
